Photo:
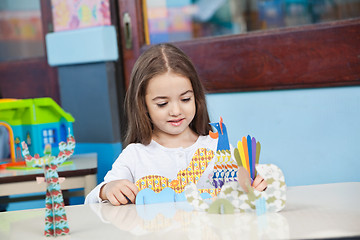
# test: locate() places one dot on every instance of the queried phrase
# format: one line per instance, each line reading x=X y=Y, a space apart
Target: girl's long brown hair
x=157 y=60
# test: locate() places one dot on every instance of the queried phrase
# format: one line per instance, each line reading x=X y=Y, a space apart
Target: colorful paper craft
x=148 y=196
x=191 y=173
x=55 y=215
x=274 y=196
x=151 y=186
x=221 y=135
x=247 y=154
x=225 y=168
x=221 y=206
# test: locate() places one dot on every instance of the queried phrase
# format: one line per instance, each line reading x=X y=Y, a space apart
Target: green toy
x=38 y=122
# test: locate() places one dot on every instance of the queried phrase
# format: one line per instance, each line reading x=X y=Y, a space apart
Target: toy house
x=38 y=122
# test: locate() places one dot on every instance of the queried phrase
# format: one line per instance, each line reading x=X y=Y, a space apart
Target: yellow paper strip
x=242 y=154
x=244 y=142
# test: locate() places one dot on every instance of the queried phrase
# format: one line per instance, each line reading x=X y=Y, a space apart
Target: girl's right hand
x=119 y=192
x=244 y=180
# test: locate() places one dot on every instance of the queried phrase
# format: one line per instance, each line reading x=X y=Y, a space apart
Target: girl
x=167 y=122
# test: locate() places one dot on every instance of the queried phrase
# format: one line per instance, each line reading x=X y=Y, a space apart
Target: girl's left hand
x=259 y=183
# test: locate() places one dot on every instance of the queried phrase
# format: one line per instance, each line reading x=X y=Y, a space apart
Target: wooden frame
x=41 y=79
x=319 y=55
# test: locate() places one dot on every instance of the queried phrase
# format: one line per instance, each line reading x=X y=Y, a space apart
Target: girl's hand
x=244 y=180
x=259 y=183
x=119 y=192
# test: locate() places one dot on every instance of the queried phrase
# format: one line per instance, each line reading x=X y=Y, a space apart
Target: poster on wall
x=75 y=14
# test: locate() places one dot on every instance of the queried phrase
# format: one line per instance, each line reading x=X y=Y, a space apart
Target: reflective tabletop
x=314 y=211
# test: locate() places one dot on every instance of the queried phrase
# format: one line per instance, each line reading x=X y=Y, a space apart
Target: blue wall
x=312 y=135
x=107 y=154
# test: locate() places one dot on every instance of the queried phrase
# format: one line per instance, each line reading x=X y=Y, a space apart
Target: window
x=49 y=136
x=21 y=30
x=303 y=54
x=173 y=21
x=23 y=25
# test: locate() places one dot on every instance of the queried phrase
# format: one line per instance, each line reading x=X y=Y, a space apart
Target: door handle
x=127 y=31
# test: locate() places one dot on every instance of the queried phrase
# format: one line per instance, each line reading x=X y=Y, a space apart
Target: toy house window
x=49 y=136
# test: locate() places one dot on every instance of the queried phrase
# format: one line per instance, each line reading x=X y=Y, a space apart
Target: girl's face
x=170 y=102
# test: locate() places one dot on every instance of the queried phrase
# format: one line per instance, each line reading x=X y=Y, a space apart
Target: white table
x=316 y=211
x=80 y=174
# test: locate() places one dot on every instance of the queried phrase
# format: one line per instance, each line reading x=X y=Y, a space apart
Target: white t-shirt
x=138 y=160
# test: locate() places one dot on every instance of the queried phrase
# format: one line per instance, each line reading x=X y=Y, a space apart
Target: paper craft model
x=173 y=189
x=227 y=168
x=55 y=216
x=232 y=197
